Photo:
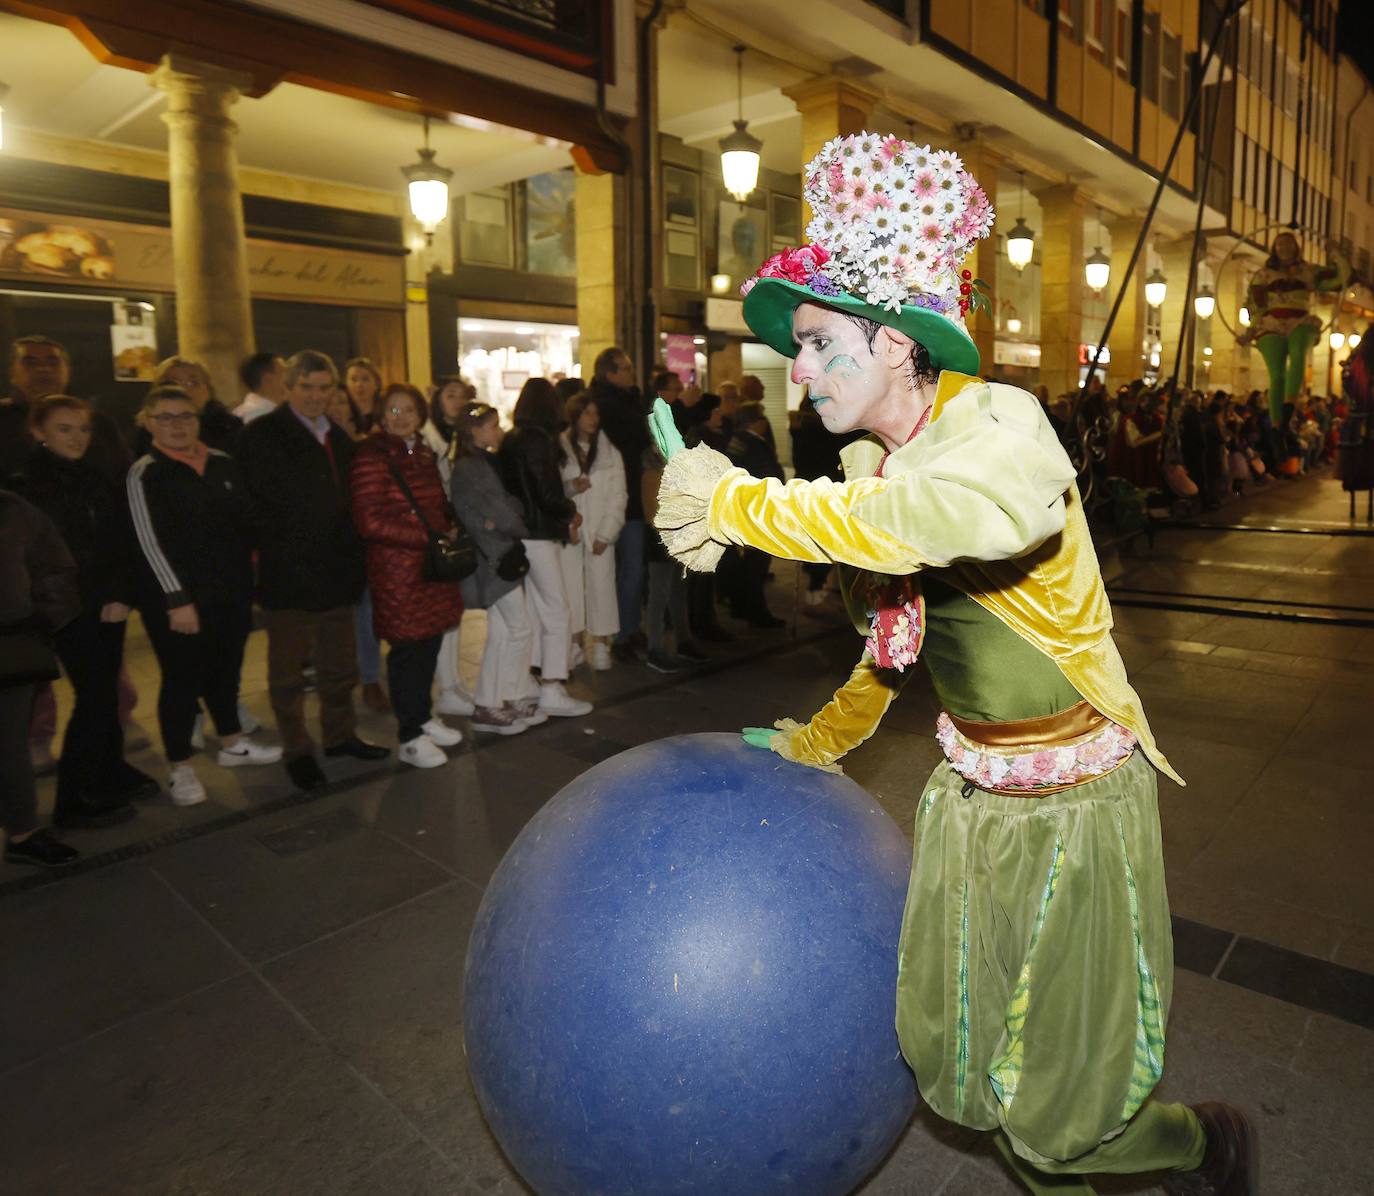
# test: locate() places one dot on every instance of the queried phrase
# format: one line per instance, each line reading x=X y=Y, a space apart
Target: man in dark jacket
x=295 y=462
x=624 y=417
x=40 y=366
x=751 y=448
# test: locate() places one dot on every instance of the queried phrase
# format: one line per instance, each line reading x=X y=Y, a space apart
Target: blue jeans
x=369 y=650
x=629 y=576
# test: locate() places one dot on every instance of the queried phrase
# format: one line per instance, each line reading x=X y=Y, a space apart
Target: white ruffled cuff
x=684 y=506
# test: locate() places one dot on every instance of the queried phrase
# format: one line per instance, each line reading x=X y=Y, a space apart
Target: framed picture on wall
x=742 y=240
x=485 y=235
x=550 y=235
x=681 y=197
x=785 y=213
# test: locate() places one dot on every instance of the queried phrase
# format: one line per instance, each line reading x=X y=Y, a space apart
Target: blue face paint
x=842 y=362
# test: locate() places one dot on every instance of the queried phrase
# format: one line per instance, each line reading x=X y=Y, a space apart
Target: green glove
x=664 y=430
x=759 y=737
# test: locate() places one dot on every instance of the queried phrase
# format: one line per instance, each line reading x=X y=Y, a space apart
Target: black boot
x=1230 y=1165
x=87 y=811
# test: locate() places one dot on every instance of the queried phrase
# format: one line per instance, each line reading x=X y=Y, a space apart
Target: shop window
x=485 y=229
x=1256 y=52
x=1171 y=74
x=1121 y=38
x=681 y=228
x=1290 y=88
x=1267 y=64
x=1149 y=57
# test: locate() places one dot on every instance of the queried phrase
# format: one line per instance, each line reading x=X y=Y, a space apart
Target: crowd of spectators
x=314 y=506
x=1190 y=446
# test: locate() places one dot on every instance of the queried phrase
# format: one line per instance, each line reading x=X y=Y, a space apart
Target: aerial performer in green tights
x=1036 y=959
x=1282 y=324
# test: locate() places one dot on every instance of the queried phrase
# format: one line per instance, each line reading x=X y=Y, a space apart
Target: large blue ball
x=682 y=980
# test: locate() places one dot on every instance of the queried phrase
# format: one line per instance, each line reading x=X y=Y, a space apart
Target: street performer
x=1036 y=959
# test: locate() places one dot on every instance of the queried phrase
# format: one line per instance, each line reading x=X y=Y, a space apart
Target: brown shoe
x=374 y=698
x=1230 y=1166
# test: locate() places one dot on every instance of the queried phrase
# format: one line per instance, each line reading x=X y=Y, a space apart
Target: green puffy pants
x=1286 y=359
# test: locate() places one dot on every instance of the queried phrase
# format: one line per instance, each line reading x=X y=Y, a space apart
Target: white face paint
x=836 y=364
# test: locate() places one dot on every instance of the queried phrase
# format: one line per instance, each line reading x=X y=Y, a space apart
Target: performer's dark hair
x=919 y=363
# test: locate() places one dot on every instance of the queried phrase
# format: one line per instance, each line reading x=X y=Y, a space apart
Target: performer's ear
x=892 y=347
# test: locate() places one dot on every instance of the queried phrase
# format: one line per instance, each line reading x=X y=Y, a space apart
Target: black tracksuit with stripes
x=196 y=535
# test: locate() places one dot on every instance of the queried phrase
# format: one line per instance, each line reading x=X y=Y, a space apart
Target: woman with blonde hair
x=363 y=384
x=594 y=478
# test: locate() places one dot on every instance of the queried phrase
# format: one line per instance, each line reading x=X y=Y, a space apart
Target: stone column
x=1177 y=256
x=599 y=215
x=984 y=163
x=1127 y=340
x=1061 y=287
x=830 y=107
x=214 y=318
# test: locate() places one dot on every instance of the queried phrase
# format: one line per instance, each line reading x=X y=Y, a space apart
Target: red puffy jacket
x=405 y=606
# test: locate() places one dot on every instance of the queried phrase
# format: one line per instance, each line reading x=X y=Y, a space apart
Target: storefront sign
x=1086 y=353
x=1016 y=353
x=680 y=356
x=108 y=254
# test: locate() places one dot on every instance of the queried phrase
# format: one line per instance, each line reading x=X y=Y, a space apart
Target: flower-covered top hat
x=892 y=223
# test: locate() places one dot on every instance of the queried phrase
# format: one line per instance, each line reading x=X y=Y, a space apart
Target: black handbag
x=514 y=563
x=446 y=559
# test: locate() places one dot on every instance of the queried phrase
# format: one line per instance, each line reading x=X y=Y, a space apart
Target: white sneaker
x=601 y=656
x=247 y=752
x=248 y=721
x=198 y=733
x=422 y=752
x=442 y=733
x=456 y=701
x=185 y=786
x=555 y=700
x=577 y=657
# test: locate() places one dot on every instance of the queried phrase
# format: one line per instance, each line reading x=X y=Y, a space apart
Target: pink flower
x=924 y=184
x=1044 y=768
x=892 y=148
x=1023 y=771
x=795 y=265
x=875 y=201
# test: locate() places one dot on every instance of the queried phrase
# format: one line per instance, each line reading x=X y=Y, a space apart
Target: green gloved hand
x=664 y=430
x=759 y=737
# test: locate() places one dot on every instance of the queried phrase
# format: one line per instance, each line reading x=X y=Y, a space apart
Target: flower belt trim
x=1036 y=767
x=897 y=623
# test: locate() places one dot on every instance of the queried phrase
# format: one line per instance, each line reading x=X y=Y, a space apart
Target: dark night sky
x=1355 y=34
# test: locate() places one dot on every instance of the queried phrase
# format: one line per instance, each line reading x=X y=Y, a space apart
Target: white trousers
x=446 y=670
x=546 y=599
x=590 y=582
x=505 y=673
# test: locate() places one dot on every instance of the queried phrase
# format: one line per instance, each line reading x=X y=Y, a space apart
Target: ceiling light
x=739 y=152
x=1245 y=317
x=1337 y=340
x=1204 y=303
x=720 y=283
x=428 y=185
x=1013 y=325
x=1021 y=241
x=1353 y=340
x=1156 y=288
x=1097 y=270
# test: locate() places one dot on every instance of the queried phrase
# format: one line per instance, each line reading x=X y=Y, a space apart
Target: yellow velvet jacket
x=985 y=492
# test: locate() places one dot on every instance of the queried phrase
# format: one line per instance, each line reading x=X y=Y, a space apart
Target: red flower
x=795 y=265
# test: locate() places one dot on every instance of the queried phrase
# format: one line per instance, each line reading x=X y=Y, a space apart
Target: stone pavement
x=261 y=995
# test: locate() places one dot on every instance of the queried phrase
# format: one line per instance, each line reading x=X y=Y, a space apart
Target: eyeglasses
x=174 y=417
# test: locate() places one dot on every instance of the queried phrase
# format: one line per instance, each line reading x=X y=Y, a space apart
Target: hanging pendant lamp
x=427 y=183
x=1021 y=240
x=739 y=151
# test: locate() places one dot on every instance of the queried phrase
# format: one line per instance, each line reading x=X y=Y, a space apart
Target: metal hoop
x=1283 y=226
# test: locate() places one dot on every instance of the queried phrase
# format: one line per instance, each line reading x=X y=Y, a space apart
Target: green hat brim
x=770 y=303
